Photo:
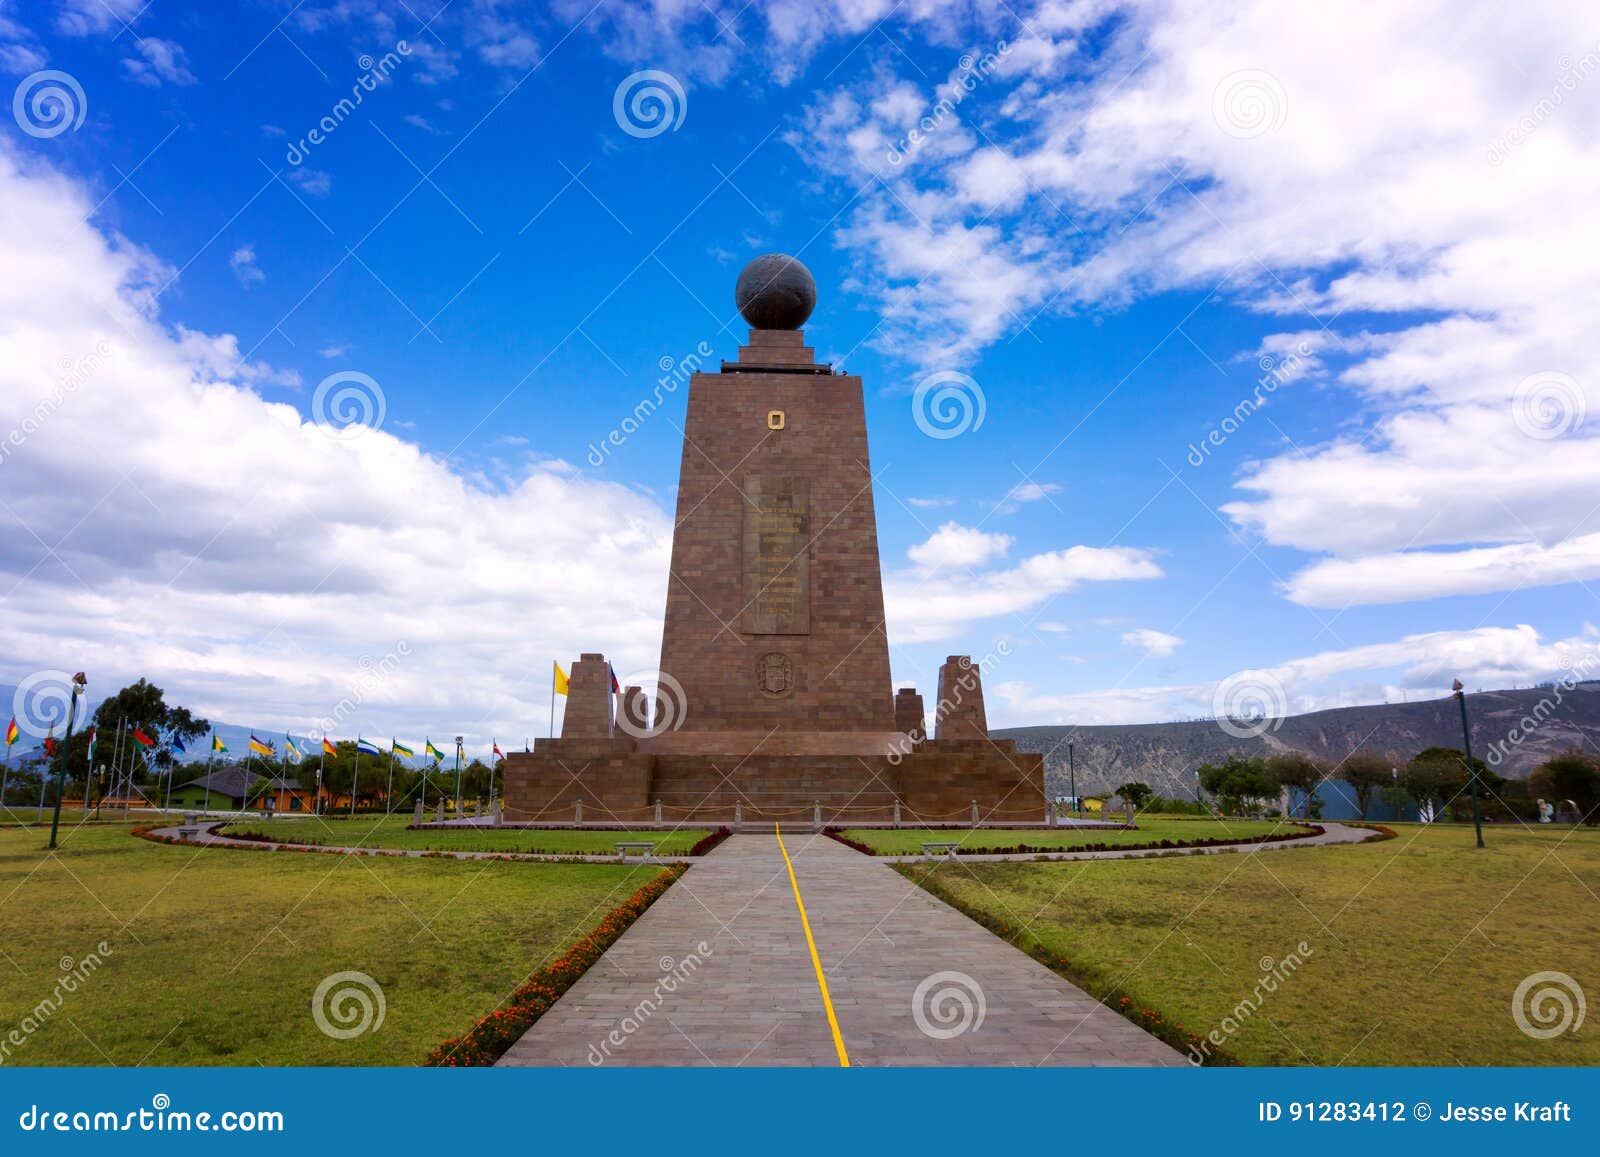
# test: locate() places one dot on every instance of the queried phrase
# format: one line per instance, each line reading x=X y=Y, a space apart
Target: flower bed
x=1301 y=832
x=487 y=1040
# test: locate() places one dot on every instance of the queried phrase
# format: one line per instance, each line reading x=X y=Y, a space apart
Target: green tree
x=1572 y=775
x=1436 y=775
x=1136 y=794
x=1365 y=771
x=1297 y=771
x=142 y=705
x=1238 y=781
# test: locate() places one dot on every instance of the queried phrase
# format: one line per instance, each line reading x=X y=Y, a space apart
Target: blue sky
x=1122 y=217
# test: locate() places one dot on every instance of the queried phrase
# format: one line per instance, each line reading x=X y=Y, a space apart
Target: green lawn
x=1151 y=829
x=215 y=954
x=1417 y=944
x=381 y=832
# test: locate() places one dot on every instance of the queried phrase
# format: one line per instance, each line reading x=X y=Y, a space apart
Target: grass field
x=1416 y=944
x=1151 y=829
x=215 y=954
x=381 y=832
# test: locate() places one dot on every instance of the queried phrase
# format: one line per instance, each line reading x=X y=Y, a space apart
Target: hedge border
x=488 y=1040
x=1305 y=831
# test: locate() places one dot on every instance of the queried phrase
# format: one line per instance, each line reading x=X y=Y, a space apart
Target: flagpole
x=355 y=779
x=5 y=779
x=116 y=759
x=43 y=777
x=322 y=766
x=211 y=753
x=458 y=777
x=553 y=669
x=388 y=795
x=172 y=766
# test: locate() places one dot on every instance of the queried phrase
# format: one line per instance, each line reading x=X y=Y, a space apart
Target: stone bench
x=646 y=848
x=187 y=832
x=942 y=848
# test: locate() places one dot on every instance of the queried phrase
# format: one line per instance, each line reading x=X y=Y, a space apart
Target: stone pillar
x=416 y=815
x=959 y=713
x=738 y=814
x=816 y=814
x=496 y=812
x=588 y=712
x=896 y=813
x=577 y=813
x=908 y=713
x=974 y=813
x=1050 y=814
x=658 y=811
x=441 y=809
x=635 y=716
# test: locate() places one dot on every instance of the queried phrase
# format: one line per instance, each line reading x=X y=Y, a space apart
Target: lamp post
x=1072 y=778
x=1466 y=746
x=79 y=683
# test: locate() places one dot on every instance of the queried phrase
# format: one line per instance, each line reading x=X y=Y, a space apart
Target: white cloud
x=338 y=350
x=158 y=60
x=244 y=266
x=314 y=182
x=954 y=545
x=1156 y=644
x=163 y=519
x=1418 y=666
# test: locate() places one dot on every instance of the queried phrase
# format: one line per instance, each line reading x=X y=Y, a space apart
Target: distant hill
x=1164 y=755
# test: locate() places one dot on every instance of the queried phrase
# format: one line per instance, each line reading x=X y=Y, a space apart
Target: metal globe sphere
x=775 y=291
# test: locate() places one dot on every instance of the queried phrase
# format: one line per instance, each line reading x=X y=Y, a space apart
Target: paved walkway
x=719 y=972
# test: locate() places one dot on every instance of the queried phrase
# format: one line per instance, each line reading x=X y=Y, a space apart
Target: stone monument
x=774 y=642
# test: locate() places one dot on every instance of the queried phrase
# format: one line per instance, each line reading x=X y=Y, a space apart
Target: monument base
x=617 y=781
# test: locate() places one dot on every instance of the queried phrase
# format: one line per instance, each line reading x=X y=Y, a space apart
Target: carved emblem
x=775 y=674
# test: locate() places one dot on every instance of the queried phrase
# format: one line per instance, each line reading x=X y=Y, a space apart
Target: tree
x=1297 y=771
x=1365 y=772
x=142 y=705
x=1136 y=794
x=1238 y=781
x=1436 y=775
x=1574 y=776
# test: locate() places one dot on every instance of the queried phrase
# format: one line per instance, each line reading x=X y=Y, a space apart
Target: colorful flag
x=431 y=751
x=50 y=741
x=142 y=739
x=616 y=688
x=290 y=750
x=12 y=732
x=398 y=748
x=328 y=748
x=217 y=745
x=561 y=680
x=498 y=754
x=175 y=745
x=368 y=747
x=261 y=748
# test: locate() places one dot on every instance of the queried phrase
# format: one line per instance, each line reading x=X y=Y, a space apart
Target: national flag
x=93 y=732
x=328 y=748
x=561 y=680
x=50 y=741
x=142 y=739
x=261 y=748
x=498 y=754
x=12 y=732
x=218 y=746
x=290 y=750
x=431 y=751
x=398 y=748
x=368 y=747
x=616 y=688
x=175 y=745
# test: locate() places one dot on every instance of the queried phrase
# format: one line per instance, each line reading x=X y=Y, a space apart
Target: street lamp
x=460 y=739
x=1466 y=746
x=80 y=683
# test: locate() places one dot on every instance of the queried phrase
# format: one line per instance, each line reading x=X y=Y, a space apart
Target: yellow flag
x=561 y=680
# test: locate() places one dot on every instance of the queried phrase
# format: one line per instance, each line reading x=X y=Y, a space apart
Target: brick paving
x=717 y=972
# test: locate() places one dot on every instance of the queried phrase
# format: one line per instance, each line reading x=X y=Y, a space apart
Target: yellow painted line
x=816 y=961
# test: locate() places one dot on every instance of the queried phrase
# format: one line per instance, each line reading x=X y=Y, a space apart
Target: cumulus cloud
x=1156 y=644
x=162 y=518
x=244 y=266
x=157 y=61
